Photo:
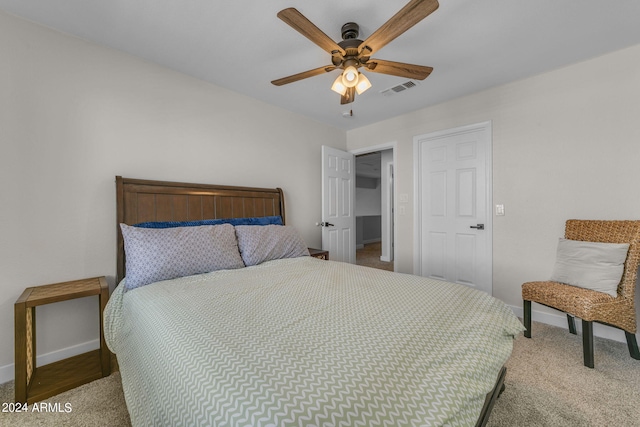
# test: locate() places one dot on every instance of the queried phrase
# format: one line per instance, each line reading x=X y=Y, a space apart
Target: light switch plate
x=499 y=210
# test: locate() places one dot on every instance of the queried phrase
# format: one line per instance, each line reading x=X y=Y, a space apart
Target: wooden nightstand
x=33 y=383
x=319 y=253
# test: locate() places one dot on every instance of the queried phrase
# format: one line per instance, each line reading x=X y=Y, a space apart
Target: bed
x=294 y=341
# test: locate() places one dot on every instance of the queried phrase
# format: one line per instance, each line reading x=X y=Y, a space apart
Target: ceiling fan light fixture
x=351 y=54
x=350 y=76
x=338 y=87
x=363 y=83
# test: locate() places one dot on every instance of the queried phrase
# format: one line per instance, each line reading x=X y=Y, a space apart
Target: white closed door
x=453 y=218
x=338 y=205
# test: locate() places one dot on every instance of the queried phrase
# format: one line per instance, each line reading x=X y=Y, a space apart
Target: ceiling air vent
x=400 y=88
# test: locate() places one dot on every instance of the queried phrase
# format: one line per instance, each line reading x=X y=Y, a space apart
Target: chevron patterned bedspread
x=307 y=342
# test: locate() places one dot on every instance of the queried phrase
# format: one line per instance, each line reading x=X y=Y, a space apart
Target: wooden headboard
x=140 y=200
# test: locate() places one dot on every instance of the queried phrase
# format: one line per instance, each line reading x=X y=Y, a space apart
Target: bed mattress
x=307 y=342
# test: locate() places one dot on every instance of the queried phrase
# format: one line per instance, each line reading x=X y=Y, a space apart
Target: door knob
x=479 y=226
x=326 y=224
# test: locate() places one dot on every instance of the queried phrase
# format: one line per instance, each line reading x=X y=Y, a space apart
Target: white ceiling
x=368 y=165
x=242 y=45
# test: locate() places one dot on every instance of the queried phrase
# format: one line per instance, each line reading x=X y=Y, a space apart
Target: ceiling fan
x=351 y=53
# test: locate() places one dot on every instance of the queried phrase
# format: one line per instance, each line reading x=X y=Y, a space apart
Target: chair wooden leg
x=572 y=324
x=633 y=345
x=587 y=343
x=526 y=308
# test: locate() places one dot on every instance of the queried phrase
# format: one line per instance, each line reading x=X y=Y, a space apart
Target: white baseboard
x=7 y=372
x=366 y=242
x=385 y=259
x=560 y=320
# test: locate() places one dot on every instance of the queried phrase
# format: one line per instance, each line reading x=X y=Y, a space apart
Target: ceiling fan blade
x=414 y=12
x=400 y=69
x=303 y=75
x=305 y=27
x=349 y=96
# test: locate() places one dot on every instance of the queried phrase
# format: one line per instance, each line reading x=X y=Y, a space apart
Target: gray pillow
x=591 y=265
x=260 y=243
x=161 y=254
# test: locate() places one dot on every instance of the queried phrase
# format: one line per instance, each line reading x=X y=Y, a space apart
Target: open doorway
x=374 y=209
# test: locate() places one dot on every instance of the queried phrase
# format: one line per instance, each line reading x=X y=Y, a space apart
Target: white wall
x=566 y=144
x=368 y=200
x=74 y=115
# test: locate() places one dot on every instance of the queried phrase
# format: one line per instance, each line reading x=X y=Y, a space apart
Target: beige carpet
x=99 y=403
x=546 y=385
x=369 y=256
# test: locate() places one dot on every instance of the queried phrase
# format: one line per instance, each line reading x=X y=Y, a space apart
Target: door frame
x=382 y=147
x=417 y=184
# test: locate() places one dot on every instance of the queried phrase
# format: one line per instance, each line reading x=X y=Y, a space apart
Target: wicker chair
x=588 y=305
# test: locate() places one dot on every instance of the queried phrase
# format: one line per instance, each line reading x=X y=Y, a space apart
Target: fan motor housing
x=350 y=41
x=350 y=30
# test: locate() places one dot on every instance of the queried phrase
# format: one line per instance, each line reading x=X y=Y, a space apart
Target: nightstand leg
x=105 y=354
x=25 y=338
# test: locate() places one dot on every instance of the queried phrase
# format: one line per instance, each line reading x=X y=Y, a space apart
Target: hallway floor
x=370 y=256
